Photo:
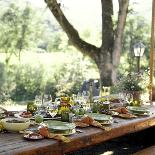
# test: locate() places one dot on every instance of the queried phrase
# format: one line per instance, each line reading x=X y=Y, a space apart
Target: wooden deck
x=15 y=144
x=147 y=151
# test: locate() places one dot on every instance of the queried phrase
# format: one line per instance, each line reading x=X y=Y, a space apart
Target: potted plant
x=132 y=84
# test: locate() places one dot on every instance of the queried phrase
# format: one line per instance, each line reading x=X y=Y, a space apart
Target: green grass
x=52 y=61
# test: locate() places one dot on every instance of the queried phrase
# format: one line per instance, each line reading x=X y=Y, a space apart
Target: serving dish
x=15 y=124
x=33 y=136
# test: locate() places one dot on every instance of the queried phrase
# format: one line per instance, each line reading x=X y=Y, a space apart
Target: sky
x=141 y=6
x=90 y=10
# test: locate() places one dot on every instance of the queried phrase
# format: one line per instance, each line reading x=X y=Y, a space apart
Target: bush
x=131 y=82
x=23 y=81
x=29 y=82
x=2 y=75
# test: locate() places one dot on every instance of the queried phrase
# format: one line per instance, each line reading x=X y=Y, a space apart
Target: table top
x=15 y=144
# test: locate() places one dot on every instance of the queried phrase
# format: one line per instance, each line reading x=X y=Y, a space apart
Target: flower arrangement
x=131 y=82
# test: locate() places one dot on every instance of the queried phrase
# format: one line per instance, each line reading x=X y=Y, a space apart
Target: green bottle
x=81 y=111
x=31 y=107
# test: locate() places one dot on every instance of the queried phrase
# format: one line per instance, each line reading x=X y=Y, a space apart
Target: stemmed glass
x=53 y=110
x=47 y=102
x=42 y=102
x=46 y=98
x=121 y=97
x=129 y=98
x=38 y=102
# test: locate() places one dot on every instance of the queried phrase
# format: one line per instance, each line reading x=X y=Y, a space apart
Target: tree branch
x=71 y=32
x=123 y=9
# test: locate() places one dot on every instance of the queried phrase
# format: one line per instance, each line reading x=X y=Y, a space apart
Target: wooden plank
x=147 y=151
x=15 y=144
x=92 y=136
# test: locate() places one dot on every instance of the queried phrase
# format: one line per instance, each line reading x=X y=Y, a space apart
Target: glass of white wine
x=53 y=110
x=129 y=98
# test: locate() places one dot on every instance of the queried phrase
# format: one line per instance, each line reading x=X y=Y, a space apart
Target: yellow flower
x=1 y=127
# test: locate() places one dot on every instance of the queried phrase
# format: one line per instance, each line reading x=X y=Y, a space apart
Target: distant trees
x=137 y=29
x=17 y=30
x=23 y=29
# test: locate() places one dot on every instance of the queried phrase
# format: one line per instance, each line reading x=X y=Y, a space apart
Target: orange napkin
x=45 y=133
x=121 y=110
x=86 y=121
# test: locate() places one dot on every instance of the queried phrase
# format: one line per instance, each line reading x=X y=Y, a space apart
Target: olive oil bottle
x=31 y=107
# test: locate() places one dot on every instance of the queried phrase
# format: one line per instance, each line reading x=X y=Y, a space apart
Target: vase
x=65 y=116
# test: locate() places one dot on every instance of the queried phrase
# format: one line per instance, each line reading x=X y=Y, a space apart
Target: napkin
x=43 y=130
x=123 y=113
x=121 y=110
x=87 y=121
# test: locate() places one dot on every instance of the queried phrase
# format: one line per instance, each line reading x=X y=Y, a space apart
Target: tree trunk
x=104 y=65
x=123 y=8
x=107 y=56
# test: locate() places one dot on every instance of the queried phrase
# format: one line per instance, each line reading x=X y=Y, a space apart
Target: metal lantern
x=138 y=51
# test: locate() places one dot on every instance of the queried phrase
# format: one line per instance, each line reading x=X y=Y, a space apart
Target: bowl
x=15 y=124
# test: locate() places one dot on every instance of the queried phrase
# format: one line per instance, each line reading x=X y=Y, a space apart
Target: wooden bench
x=147 y=151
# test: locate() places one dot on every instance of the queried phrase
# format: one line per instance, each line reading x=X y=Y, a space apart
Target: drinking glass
x=53 y=110
x=121 y=97
x=47 y=98
x=129 y=98
x=38 y=100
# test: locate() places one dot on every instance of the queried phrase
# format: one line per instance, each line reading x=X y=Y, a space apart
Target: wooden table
x=14 y=144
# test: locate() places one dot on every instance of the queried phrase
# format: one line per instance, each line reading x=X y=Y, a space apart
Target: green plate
x=105 y=119
x=2 y=116
x=64 y=128
x=138 y=110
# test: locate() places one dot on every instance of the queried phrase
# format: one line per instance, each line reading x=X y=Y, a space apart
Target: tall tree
x=107 y=56
x=17 y=30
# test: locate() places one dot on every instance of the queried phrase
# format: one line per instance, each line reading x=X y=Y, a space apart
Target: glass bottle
x=31 y=107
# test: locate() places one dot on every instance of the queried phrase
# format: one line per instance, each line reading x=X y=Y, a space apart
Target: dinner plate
x=102 y=118
x=60 y=127
x=70 y=133
x=33 y=136
x=127 y=116
x=2 y=116
x=138 y=110
x=141 y=114
x=47 y=118
x=18 y=115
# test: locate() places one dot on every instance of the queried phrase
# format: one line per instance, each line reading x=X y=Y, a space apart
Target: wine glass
x=38 y=102
x=129 y=98
x=53 y=110
x=121 y=97
x=47 y=98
